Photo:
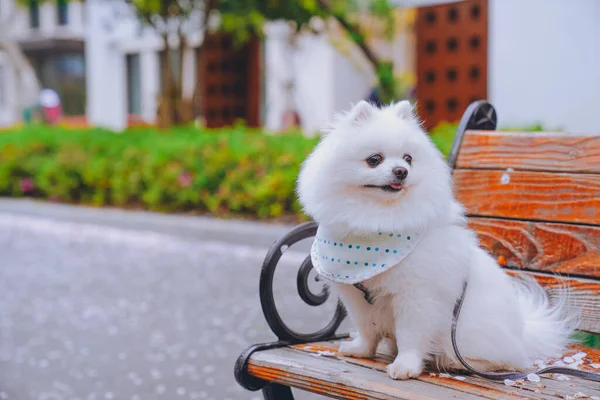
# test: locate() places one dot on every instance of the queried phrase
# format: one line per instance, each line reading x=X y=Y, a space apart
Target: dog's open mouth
x=393 y=187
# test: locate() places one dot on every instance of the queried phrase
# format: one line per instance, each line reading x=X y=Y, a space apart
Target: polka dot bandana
x=356 y=258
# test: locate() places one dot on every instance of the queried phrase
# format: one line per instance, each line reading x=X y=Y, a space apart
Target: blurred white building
x=123 y=69
x=544 y=63
x=536 y=61
x=52 y=36
x=122 y=65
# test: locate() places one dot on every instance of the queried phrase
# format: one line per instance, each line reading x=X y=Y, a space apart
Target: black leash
x=366 y=294
x=500 y=376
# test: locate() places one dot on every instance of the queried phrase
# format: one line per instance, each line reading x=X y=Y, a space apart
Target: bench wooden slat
x=540 y=196
x=541 y=246
x=583 y=296
x=341 y=380
x=354 y=378
x=535 y=151
x=473 y=383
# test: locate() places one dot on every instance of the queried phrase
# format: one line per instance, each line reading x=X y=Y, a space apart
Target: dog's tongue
x=397 y=187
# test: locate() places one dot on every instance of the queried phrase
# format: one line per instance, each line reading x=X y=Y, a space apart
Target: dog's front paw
x=357 y=347
x=405 y=366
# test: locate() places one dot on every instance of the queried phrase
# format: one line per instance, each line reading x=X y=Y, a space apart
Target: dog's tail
x=550 y=318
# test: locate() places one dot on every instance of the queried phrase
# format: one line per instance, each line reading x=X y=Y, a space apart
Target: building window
x=134 y=92
x=62 y=11
x=34 y=14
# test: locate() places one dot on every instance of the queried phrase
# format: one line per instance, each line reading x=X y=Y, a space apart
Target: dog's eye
x=374 y=160
x=408 y=159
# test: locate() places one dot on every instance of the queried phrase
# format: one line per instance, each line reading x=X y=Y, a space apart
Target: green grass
x=443 y=136
x=587 y=339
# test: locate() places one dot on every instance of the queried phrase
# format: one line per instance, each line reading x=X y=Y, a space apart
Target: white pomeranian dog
x=382 y=195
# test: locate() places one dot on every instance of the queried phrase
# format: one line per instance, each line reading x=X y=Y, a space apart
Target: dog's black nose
x=400 y=172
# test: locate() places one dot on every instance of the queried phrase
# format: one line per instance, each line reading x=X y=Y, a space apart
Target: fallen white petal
x=533 y=378
x=432 y=374
x=460 y=378
x=579 y=355
x=326 y=353
x=562 y=377
x=595 y=366
x=560 y=364
x=443 y=375
x=509 y=382
x=568 y=360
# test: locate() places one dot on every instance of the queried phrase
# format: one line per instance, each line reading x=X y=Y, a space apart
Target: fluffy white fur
x=505 y=323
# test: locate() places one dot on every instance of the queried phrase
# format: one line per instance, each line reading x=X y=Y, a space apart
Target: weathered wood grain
x=551 y=388
x=534 y=151
x=548 y=247
x=338 y=379
x=541 y=196
x=355 y=378
x=472 y=385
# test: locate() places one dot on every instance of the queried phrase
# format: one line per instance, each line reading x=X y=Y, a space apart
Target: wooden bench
x=534 y=200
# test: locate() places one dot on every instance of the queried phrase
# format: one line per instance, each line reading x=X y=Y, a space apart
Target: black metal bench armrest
x=285 y=334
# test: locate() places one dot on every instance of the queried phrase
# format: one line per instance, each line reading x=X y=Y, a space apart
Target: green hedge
x=229 y=171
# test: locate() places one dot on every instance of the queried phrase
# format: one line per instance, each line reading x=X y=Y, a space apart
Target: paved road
x=106 y=304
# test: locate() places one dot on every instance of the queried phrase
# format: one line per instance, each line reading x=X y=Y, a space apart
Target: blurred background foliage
x=245 y=19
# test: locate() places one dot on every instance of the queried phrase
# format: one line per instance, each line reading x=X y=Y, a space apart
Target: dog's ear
x=360 y=112
x=403 y=109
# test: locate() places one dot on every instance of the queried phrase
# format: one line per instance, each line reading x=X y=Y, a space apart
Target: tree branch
x=208 y=7
x=354 y=31
x=144 y=16
x=29 y=85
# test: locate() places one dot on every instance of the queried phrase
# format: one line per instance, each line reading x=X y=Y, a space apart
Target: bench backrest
x=534 y=200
